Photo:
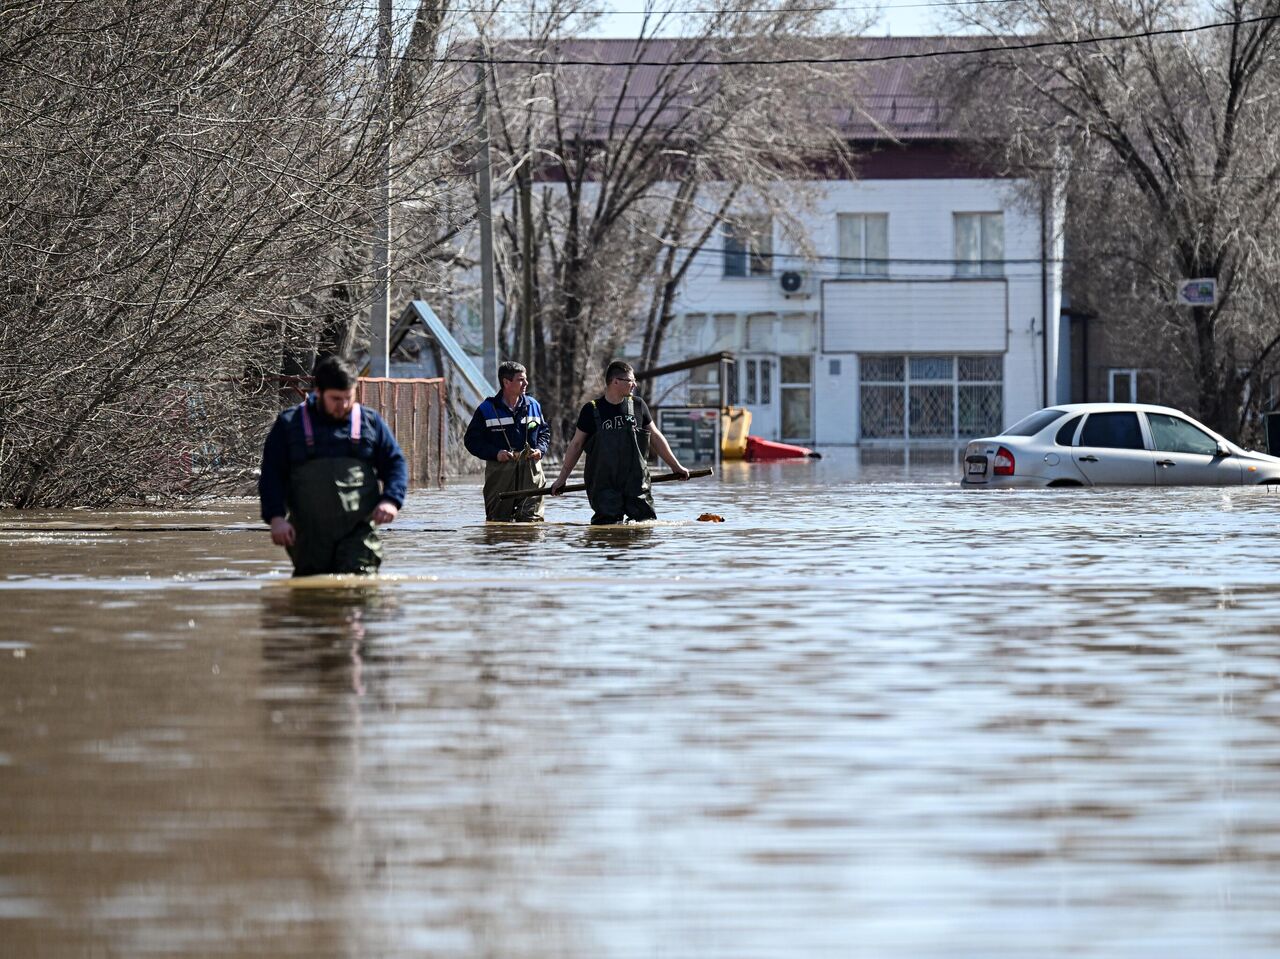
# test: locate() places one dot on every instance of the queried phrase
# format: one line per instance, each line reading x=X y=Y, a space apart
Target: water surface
x=869 y=715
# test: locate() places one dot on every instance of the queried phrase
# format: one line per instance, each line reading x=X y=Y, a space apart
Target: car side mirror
x=1222 y=450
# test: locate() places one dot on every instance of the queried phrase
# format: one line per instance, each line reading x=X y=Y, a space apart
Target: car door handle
x=1165 y=463
x=1088 y=459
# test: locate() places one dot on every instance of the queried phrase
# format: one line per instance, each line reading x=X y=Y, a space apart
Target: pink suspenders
x=310 y=434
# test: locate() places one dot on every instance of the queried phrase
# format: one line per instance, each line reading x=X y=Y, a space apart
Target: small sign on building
x=1201 y=292
x=693 y=432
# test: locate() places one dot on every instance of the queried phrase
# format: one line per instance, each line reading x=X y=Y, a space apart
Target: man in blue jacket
x=331 y=473
x=509 y=433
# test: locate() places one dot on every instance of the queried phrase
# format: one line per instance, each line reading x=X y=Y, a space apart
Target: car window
x=1068 y=431
x=1173 y=434
x=1033 y=424
x=1118 y=431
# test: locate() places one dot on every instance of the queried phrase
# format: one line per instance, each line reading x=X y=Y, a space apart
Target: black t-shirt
x=608 y=411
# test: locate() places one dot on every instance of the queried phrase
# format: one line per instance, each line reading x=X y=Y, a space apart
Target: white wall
x=836 y=401
x=915 y=316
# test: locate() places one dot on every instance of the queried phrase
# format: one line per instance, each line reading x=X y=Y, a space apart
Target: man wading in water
x=331 y=472
x=617 y=431
x=510 y=435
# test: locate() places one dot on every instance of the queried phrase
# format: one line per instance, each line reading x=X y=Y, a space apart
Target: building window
x=883 y=391
x=748 y=246
x=1133 y=386
x=760 y=332
x=930 y=397
x=796 y=333
x=864 y=244
x=727 y=332
x=1122 y=386
x=704 y=385
x=979 y=244
x=979 y=395
x=757 y=381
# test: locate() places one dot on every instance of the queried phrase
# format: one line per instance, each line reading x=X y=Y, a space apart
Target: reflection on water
x=516 y=535
x=861 y=717
x=618 y=542
x=321 y=635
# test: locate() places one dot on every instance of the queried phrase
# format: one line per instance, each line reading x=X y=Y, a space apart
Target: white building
x=925 y=323
x=922 y=319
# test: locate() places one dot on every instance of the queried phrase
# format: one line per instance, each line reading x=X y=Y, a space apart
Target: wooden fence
x=416 y=412
x=414 y=409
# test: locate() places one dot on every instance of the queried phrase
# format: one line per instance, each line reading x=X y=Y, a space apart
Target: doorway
x=757 y=391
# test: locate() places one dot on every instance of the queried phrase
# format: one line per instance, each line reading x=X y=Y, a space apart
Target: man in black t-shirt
x=613 y=412
x=617 y=432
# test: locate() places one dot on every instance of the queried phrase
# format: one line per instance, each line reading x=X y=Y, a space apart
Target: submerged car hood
x=1258 y=456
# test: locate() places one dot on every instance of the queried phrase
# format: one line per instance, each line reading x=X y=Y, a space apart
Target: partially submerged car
x=1123 y=444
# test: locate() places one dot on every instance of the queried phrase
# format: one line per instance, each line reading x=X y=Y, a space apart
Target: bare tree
x=184 y=187
x=430 y=195
x=1166 y=145
x=628 y=170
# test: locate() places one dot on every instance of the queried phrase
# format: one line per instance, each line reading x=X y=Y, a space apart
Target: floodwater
x=869 y=715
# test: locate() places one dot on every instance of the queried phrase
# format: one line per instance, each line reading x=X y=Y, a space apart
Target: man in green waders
x=332 y=472
x=617 y=431
x=510 y=434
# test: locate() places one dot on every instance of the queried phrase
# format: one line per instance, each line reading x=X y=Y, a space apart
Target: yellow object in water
x=735 y=424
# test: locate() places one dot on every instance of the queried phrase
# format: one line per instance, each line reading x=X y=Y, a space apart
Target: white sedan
x=1096 y=444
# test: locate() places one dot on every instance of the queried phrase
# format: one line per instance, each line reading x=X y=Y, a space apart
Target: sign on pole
x=1201 y=292
x=692 y=432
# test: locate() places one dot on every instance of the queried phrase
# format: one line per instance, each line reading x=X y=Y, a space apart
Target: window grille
x=931 y=397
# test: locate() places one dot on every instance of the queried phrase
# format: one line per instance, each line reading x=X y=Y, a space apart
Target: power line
x=659 y=11
x=837 y=258
x=821 y=61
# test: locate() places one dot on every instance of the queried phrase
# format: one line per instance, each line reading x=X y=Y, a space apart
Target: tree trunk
x=1211 y=400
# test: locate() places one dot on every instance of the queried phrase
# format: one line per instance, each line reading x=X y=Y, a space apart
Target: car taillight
x=1003 y=465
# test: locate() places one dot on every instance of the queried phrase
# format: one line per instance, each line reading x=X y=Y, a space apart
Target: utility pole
x=380 y=308
x=488 y=319
x=526 y=264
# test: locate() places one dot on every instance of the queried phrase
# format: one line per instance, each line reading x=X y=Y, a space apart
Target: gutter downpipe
x=1044 y=291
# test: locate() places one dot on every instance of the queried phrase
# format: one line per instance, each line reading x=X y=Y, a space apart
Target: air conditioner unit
x=795 y=283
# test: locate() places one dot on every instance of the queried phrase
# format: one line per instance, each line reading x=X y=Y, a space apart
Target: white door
x=795 y=374
x=1186 y=455
x=1111 y=450
x=758 y=392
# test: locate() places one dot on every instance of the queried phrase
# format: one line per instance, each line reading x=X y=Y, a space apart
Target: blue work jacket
x=286 y=446
x=495 y=427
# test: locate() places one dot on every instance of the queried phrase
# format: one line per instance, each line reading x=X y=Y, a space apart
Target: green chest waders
x=500 y=478
x=617 y=473
x=330 y=502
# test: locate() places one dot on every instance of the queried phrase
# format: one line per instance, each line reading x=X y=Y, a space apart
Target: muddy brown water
x=869 y=715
